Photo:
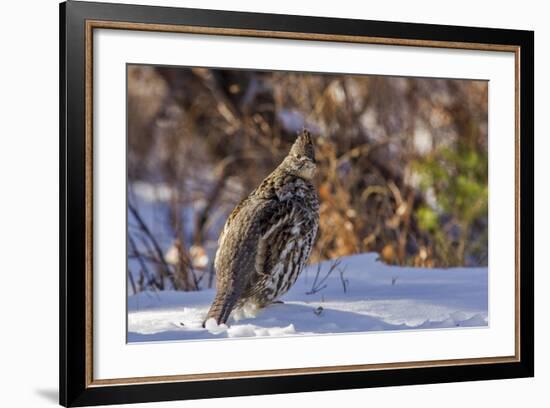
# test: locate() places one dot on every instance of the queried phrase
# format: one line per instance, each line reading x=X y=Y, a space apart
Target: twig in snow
x=344 y=281
x=165 y=269
x=319 y=282
x=141 y=259
x=132 y=282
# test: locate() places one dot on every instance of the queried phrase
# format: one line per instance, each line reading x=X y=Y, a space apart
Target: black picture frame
x=75 y=387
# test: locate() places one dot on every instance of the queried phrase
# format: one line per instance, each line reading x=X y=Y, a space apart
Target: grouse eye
x=298 y=156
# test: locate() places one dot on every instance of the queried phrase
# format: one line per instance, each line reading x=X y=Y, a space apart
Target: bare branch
x=165 y=269
x=319 y=282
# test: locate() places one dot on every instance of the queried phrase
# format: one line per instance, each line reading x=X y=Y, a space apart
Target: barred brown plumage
x=267 y=239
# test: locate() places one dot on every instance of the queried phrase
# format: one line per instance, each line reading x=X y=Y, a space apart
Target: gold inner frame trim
x=100 y=24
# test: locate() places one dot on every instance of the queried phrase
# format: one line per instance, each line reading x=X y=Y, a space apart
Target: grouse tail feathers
x=222 y=306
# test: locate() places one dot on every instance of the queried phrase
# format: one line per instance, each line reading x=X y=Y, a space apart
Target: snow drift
x=357 y=294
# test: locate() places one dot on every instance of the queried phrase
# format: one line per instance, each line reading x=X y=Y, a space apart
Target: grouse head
x=300 y=161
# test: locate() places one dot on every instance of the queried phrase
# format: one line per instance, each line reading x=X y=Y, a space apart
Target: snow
x=361 y=294
x=212 y=327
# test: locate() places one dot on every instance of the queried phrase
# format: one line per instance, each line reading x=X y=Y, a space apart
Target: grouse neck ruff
x=327 y=147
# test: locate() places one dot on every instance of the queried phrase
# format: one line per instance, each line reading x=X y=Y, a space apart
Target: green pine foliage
x=456 y=220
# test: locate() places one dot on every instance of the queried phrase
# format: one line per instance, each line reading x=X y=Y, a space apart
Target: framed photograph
x=256 y=204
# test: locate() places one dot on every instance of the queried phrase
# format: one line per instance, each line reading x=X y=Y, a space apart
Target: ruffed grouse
x=268 y=237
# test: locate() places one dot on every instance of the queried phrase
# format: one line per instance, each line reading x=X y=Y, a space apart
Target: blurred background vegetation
x=403 y=165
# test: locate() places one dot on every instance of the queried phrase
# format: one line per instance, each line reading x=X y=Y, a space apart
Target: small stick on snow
x=319 y=284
